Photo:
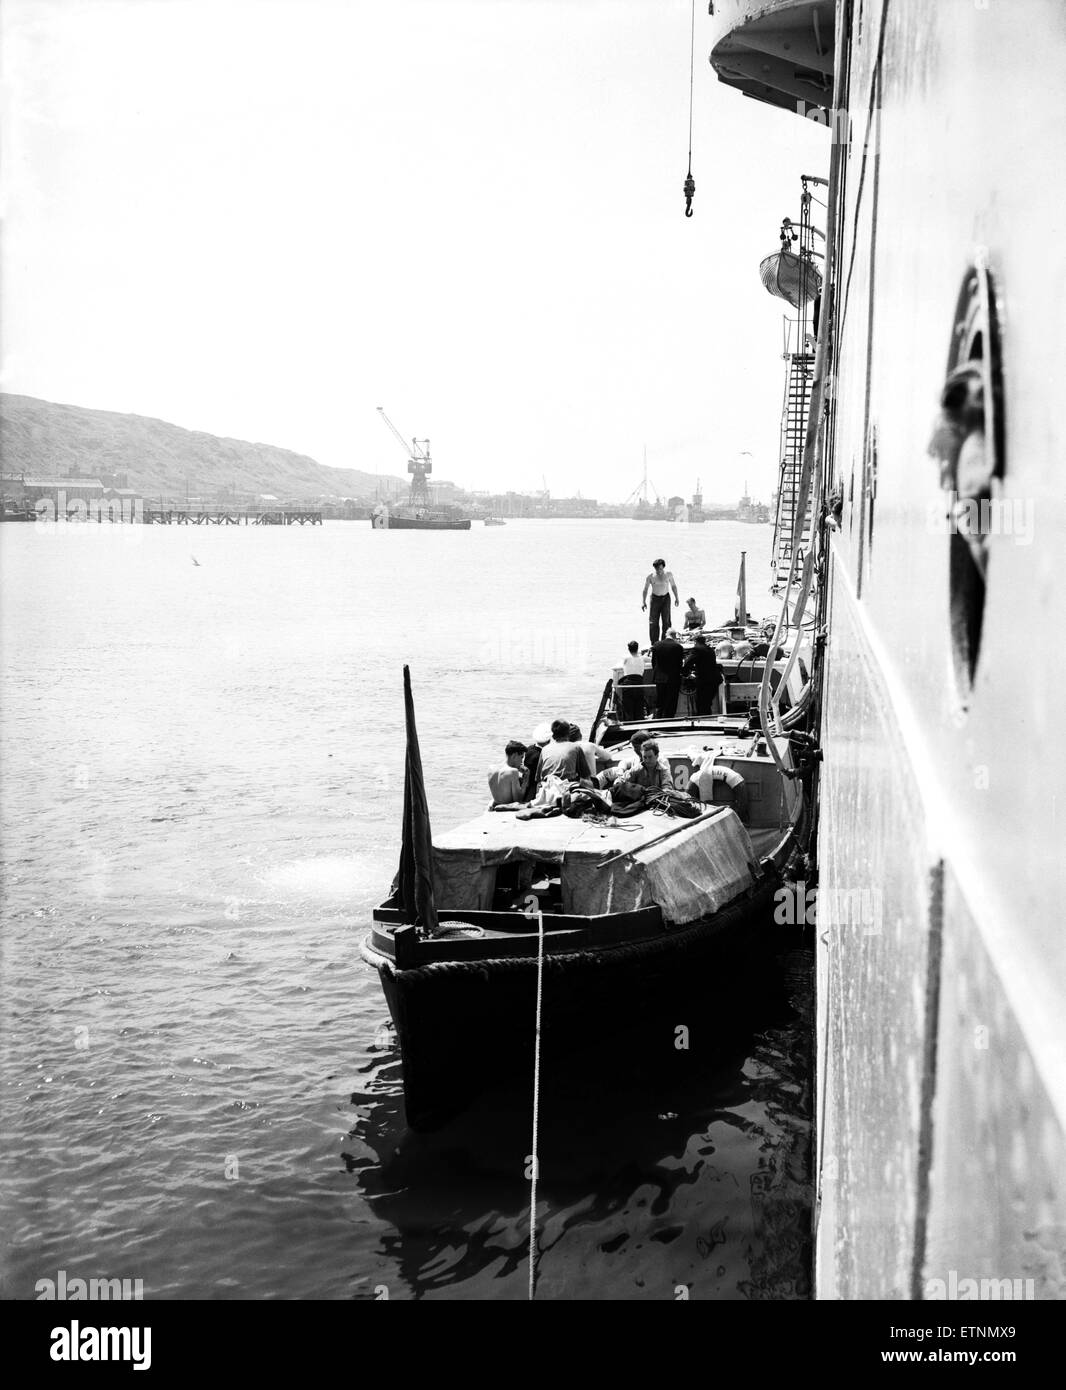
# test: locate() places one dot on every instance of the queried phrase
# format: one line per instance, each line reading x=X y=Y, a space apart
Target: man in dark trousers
x=660 y=582
x=703 y=664
x=667 y=657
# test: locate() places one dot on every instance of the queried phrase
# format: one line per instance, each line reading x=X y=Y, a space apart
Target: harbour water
x=201 y=790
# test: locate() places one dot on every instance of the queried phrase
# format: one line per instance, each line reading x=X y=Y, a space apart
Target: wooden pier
x=229 y=516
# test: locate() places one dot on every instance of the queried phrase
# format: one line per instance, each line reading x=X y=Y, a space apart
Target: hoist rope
x=691 y=80
x=536 y=1111
x=690 y=183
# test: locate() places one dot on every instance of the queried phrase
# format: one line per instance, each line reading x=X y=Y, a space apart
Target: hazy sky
x=264 y=218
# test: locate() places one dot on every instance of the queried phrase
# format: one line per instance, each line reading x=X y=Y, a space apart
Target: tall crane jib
x=419 y=463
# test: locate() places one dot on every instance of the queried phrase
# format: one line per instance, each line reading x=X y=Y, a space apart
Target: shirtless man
x=660 y=582
x=507 y=784
x=694 y=617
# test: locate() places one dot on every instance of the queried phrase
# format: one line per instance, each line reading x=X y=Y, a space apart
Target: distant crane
x=419 y=463
x=640 y=492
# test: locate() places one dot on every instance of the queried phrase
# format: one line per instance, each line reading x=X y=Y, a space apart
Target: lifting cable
x=534 y=1156
x=689 y=189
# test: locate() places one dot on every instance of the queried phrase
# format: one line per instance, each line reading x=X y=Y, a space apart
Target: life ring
x=727 y=787
x=729 y=775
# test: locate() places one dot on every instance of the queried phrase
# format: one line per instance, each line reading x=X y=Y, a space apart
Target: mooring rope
x=536 y=1112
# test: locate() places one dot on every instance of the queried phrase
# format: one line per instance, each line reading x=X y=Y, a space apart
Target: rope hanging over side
x=689 y=188
x=535 y=1156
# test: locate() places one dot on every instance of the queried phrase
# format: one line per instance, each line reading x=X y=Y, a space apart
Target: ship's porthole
x=967 y=444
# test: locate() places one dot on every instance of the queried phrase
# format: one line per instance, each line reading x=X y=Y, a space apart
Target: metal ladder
x=793 y=434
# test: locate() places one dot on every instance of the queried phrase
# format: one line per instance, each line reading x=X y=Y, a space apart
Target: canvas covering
x=696 y=871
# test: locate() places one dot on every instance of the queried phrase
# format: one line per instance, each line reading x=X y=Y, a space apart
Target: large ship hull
x=941 y=1006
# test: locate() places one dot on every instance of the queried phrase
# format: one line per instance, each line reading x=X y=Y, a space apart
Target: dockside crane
x=640 y=492
x=419 y=463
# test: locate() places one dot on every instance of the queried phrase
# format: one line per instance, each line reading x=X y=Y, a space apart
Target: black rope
x=689 y=189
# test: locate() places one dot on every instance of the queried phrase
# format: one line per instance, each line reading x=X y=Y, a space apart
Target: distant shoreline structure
x=99 y=455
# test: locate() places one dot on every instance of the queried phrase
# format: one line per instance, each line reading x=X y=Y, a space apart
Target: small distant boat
x=415 y=518
x=494 y=521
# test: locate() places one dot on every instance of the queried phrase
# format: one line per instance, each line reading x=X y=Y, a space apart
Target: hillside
x=46 y=440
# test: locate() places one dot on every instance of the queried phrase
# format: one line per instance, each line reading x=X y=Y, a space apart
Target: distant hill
x=45 y=440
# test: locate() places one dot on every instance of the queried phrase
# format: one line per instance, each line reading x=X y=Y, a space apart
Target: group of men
x=560 y=751
x=565 y=755
x=670 y=664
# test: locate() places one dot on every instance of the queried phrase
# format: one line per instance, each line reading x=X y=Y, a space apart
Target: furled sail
x=415 y=879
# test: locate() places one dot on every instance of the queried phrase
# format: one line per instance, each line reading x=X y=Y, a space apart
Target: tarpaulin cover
x=699 y=868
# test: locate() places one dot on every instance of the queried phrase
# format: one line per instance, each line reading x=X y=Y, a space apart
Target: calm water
x=201 y=790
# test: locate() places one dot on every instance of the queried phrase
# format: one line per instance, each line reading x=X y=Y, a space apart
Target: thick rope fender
x=559 y=964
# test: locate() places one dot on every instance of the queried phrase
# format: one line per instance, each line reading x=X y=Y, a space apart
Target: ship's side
x=941 y=956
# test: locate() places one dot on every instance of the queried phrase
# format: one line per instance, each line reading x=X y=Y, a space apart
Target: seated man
x=694 y=617
x=628 y=762
x=651 y=776
x=508 y=784
x=595 y=757
x=563 y=757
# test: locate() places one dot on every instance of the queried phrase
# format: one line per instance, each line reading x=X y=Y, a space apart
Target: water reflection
x=665 y=1172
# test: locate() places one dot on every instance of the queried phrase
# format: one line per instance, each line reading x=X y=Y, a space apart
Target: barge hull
x=463 y=1025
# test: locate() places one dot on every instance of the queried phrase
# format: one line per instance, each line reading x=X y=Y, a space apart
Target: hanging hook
x=689 y=191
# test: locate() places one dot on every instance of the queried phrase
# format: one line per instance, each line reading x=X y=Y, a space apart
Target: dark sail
x=415 y=879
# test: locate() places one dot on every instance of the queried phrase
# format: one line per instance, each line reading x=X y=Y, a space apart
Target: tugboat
x=418 y=513
x=415 y=516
